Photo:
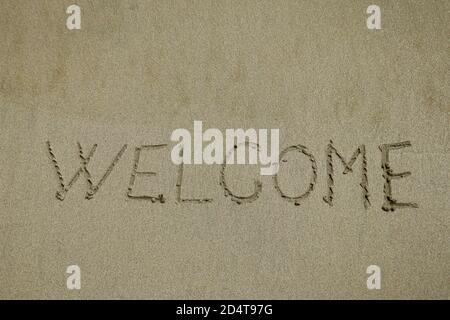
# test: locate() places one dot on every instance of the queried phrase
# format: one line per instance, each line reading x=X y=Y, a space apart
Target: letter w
x=92 y=189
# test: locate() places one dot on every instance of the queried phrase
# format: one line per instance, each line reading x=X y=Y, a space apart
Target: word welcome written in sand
x=389 y=204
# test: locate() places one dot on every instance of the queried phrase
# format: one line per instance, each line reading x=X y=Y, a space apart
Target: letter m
x=347 y=168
